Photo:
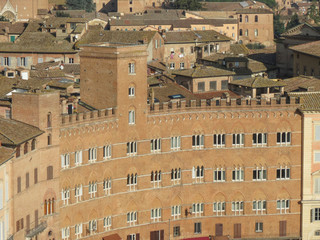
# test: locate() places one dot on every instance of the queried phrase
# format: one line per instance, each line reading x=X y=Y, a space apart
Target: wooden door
x=219 y=229
x=283 y=228
x=237 y=230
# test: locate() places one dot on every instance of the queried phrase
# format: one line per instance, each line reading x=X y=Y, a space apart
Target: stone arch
x=238 y=196
x=258 y=195
x=283 y=194
x=219 y=197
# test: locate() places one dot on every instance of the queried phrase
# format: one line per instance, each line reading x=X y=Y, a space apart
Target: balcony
x=36 y=230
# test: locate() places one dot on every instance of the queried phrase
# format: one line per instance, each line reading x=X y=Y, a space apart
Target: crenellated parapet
x=86 y=117
x=219 y=103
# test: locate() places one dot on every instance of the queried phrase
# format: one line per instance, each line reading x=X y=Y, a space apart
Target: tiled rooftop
x=312 y=48
x=258 y=82
x=203 y=71
x=310 y=100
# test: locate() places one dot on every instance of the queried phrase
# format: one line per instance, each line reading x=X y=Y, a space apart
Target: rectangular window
x=131 y=148
x=156 y=214
x=237 y=208
x=256 y=32
x=175 y=143
x=78 y=230
x=237 y=175
x=93 y=189
x=172 y=66
x=219 y=175
x=182 y=65
x=201 y=86
x=131 y=117
x=219 y=140
x=78 y=158
x=18 y=184
x=107 y=152
x=197 y=209
x=92 y=155
x=238 y=140
x=35 y=175
x=132 y=69
x=156 y=178
x=317 y=132
x=176 y=231
x=132 y=181
x=176 y=211
x=259 y=174
x=315 y=214
x=198 y=174
x=78 y=193
x=71 y=60
x=155 y=145
x=131 y=92
x=284 y=138
x=197 y=141
x=283 y=205
x=65 y=161
x=213 y=85
x=92 y=226
x=224 y=84
x=7 y=61
x=182 y=50
x=259 y=139
x=259 y=227
x=283 y=173
x=65 y=196
x=176 y=175
x=191 y=49
x=156 y=43
x=219 y=208
x=317 y=156
x=132 y=218
x=27 y=180
x=316 y=185
x=197 y=227
x=107 y=186
x=107 y=223
x=259 y=207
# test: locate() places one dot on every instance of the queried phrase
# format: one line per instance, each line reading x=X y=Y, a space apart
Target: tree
x=294 y=21
x=62 y=14
x=278 y=25
x=187 y=4
x=313 y=13
x=87 y=5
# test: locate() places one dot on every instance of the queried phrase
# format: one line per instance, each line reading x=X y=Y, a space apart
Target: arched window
x=45 y=207
x=246 y=18
x=52 y=205
x=240 y=18
x=26 y=146
x=33 y=144
x=240 y=32
x=18 y=151
x=256 y=18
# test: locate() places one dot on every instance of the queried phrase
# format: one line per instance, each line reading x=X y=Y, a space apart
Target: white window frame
x=156 y=214
x=219 y=140
x=65 y=161
x=132 y=68
x=197 y=209
x=131 y=148
x=283 y=173
x=259 y=227
x=283 y=205
x=219 y=208
x=93 y=188
x=92 y=155
x=175 y=176
x=256 y=139
x=107 y=186
x=132 y=218
x=261 y=174
x=198 y=141
x=315 y=215
x=316 y=127
x=78 y=192
x=314 y=156
x=175 y=143
x=172 y=65
x=132 y=181
x=182 y=65
x=107 y=223
x=131 y=91
x=197 y=228
x=78 y=230
x=316 y=184
x=93 y=226
x=238 y=140
x=132 y=117
x=219 y=175
x=78 y=158
x=238 y=175
x=198 y=174
x=237 y=207
x=176 y=211
x=65 y=233
x=155 y=145
x=156 y=177
x=259 y=206
x=284 y=138
x=65 y=196
x=107 y=152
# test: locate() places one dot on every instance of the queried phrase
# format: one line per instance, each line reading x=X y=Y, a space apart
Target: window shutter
x=35 y=175
x=62 y=161
x=193 y=172
x=18 y=61
x=128 y=237
x=161 y=234
x=9 y=61
x=2 y=61
x=137 y=236
x=311 y=215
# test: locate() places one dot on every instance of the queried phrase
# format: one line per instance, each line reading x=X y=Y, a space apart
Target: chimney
x=25 y=75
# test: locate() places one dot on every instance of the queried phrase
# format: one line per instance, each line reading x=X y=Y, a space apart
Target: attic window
x=10 y=74
x=176 y=96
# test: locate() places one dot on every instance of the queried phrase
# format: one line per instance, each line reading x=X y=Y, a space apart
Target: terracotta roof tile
x=302 y=83
x=5 y=154
x=13 y=132
x=258 y=82
x=312 y=48
x=195 y=36
x=203 y=71
x=310 y=100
